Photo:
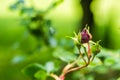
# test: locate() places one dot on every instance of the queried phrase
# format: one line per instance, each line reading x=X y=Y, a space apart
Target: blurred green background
x=17 y=45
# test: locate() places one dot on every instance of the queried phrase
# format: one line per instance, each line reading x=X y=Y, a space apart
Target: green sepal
x=96 y=48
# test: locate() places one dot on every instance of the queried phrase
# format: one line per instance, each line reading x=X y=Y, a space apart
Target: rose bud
x=85 y=36
x=96 y=48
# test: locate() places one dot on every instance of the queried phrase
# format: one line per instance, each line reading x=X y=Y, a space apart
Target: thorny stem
x=54 y=76
x=78 y=68
x=67 y=69
x=62 y=76
x=70 y=67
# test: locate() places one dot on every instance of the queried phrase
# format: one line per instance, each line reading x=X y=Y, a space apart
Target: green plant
x=87 y=50
x=35 y=21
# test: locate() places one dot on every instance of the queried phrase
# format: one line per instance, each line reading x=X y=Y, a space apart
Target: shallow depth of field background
x=17 y=45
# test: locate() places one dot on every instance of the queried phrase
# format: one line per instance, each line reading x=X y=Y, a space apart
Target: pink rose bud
x=85 y=36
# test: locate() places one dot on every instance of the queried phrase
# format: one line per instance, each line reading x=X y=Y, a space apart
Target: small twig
x=82 y=56
x=92 y=58
x=85 y=50
x=69 y=66
x=89 y=51
x=54 y=76
x=74 y=69
x=77 y=68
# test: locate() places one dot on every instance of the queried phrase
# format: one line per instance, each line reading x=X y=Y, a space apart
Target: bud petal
x=85 y=36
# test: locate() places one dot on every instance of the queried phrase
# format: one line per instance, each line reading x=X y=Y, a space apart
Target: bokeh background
x=18 y=46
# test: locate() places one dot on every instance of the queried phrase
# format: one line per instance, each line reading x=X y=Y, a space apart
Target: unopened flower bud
x=85 y=36
x=96 y=48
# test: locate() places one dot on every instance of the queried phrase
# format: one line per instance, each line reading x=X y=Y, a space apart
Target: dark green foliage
x=22 y=46
x=31 y=69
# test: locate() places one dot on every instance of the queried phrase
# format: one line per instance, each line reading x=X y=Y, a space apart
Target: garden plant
x=87 y=51
x=49 y=40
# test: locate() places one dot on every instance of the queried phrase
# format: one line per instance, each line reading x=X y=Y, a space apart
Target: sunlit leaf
x=109 y=61
x=13 y=7
x=53 y=42
x=49 y=66
x=101 y=69
x=41 y=75
x=118 y=78
x=95 y=62
x=80 y=62
x=64 y=55
x=116 y=66
x=90 y=77
x=18 y=58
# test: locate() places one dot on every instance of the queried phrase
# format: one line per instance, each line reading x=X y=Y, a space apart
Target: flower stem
x=78 y=68
x=82 y=56
x=89 y=51
x=54 y=76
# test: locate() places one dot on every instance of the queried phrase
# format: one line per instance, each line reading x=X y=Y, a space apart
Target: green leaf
x=90 y=77
x=101 y=69
x=53 y=42
x=18 y=58
x=41 y=75
x=31 y=69
x=95 y=62
x=109 y=61
x=118 y=78
x=80 y=62
x=49 y=66
x=64 y=55
x=116 y=66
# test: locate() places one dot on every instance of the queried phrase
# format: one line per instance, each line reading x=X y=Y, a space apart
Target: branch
x=78 y=68
x=82 y=56
x=54 y=76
